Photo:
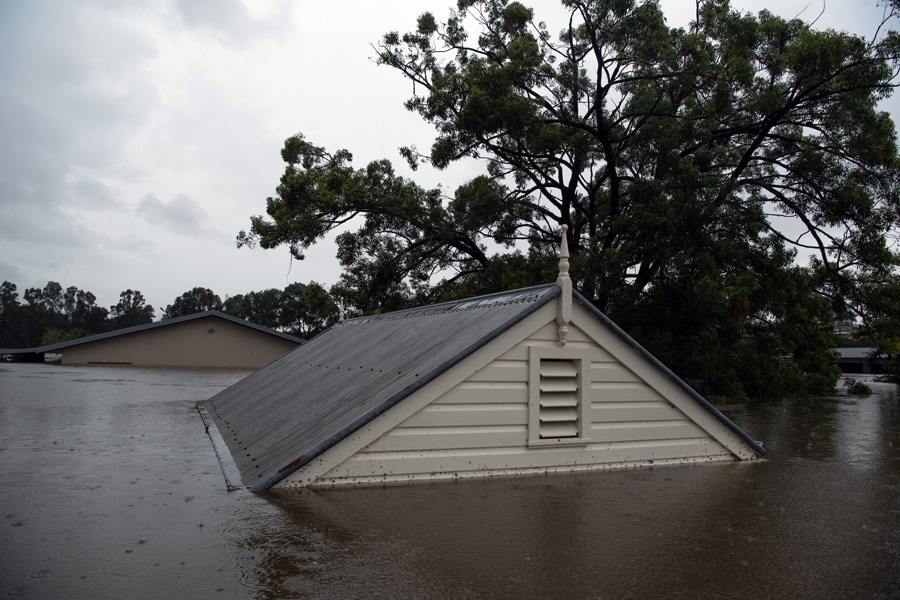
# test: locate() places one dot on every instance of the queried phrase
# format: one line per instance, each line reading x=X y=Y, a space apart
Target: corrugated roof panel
x=286 y=414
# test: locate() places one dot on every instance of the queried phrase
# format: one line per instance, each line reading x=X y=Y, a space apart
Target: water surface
x=111 y=489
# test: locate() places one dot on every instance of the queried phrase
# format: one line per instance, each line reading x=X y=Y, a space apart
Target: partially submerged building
x=210 y=339
x=864 y=361
x=530 y=381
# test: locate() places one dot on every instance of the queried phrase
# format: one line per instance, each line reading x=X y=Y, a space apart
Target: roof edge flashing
x=230 y=470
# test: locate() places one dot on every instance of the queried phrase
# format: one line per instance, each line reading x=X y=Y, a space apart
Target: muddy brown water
x=111 y=489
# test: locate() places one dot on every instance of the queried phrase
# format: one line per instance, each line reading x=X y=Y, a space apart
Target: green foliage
x=55 y=336
x=262 y=308
x=857 y=388
x=300 y=309
x=131 y=310
x=881 y=320
x=304 y=310
x=12 y=318
x=407 y=235
x=196 y=300
x=83 y=313
x=307 y=309
x=66 y=312
x=690 y=166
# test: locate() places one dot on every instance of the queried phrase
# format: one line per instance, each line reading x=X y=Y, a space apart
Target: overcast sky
x=137 y=138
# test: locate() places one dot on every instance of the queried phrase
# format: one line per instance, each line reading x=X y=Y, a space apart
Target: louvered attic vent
x=558 y=402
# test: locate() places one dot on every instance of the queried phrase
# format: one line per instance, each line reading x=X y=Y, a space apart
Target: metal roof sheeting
x=284 y=415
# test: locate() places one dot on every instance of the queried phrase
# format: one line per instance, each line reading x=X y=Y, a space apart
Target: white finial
x=340 y=310
x=564 y=254
x=565 y=285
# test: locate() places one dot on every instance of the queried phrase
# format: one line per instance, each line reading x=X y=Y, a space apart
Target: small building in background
x=209 y=339
x=863 y=361
x=529 y=381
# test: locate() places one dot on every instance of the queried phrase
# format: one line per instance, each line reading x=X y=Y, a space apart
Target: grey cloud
x=132 y=244
x=71 y=89
x=230 y=22
x=26 y=224
x=73 y=86
x=93 y=194
x=13 y=274
x=180 y=215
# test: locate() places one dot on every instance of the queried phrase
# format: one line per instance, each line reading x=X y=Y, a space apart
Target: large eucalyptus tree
x=695 y=169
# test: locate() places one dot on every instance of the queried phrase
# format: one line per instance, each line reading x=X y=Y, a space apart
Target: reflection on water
x=111 y=489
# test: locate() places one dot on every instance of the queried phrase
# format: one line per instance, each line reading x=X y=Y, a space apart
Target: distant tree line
x=54 y=314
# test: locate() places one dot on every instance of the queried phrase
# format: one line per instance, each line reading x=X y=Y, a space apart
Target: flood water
x=111 y=489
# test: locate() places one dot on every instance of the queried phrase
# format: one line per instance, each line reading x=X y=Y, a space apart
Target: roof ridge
x=504 y=298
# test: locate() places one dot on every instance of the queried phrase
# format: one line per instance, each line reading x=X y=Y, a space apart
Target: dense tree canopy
x=13 y=327
x=727 y=187
x=131 y=310
x=881 y=326
x=306 y=309
x=303 y=310
x=262 y=308
x=195 y=300
x=54 y=314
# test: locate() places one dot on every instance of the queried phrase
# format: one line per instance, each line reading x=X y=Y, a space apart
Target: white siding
x=480 y=427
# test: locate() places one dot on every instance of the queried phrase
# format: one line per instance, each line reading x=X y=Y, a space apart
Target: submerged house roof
x=283 y=416
x=180 y=341
x=528 y=381
x=287 y=415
